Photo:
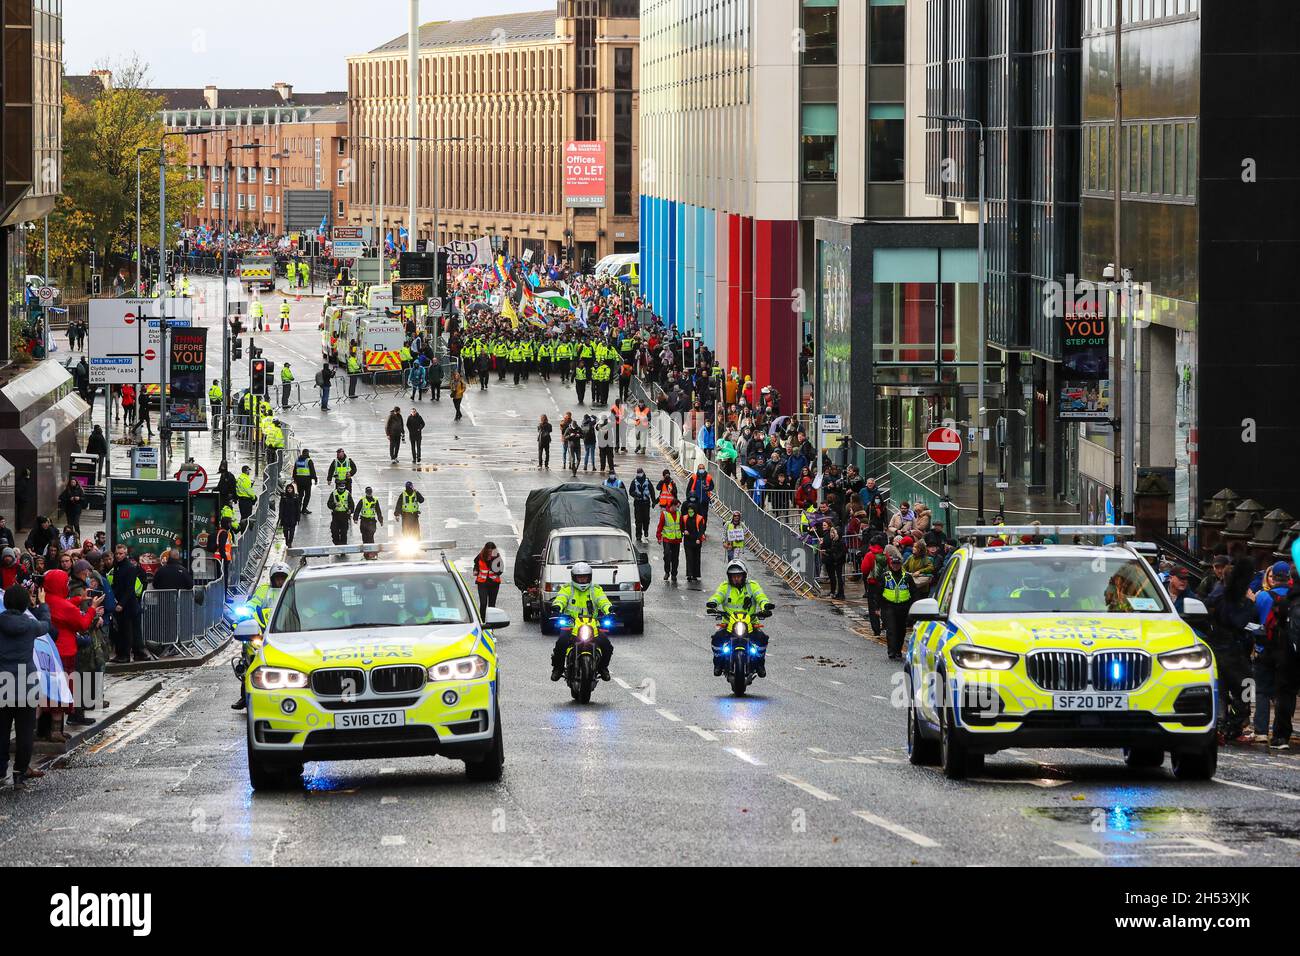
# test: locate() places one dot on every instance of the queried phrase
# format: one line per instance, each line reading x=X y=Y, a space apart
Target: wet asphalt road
x=664 y=767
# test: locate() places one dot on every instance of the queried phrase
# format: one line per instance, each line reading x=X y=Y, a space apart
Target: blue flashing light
x=608 y=622
x=564 y=622
x=243 y=612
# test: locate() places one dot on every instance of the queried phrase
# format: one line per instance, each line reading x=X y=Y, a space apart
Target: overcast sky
x=249 y=43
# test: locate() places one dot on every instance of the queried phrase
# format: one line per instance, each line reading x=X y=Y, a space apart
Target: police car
x=383 y=658
x=1058 y=645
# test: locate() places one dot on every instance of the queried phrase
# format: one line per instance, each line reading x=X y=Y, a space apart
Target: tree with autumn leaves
x=97 y=209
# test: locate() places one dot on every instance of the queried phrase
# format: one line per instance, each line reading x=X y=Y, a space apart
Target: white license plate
x=369 y=719
x=1090 y=702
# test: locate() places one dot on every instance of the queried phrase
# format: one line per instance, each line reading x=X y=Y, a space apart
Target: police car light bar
x=1037 y=531
x=387 y=547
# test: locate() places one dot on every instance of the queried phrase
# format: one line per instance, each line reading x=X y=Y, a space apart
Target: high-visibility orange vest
x=483 y=572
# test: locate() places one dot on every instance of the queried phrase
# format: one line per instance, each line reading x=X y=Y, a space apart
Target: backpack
x=320 y=379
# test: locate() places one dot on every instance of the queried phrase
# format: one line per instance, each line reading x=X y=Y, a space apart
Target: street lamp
x=982 y=334
x=225 y=292
x=1125 y=453
x=139 y=252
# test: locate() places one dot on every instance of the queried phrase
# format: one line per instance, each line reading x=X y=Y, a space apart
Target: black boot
x=239 y=704
x=760 y=667
x=557 y=671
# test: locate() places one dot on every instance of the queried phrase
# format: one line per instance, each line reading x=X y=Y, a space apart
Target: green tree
x=100 y=140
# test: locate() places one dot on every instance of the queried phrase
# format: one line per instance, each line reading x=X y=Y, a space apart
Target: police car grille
x=339 y=681
x=1120 y=670
x=1058 y=670
x=400 y=679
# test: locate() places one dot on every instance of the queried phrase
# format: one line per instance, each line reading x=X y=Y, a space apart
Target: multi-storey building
x=41 y=417
x=498 y=100
x=758 y=117
x=302 y=160
x=1207 y=192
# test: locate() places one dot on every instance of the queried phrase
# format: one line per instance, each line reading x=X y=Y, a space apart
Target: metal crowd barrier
x=183 y=622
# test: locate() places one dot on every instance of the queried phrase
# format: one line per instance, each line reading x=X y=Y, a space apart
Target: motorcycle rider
x=262 y=601
x=738 y=593
x=581 y=598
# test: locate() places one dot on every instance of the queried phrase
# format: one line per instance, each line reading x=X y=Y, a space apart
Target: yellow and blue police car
x=383 y=658
x=1058 y=645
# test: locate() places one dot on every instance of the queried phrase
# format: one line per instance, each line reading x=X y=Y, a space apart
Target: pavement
x=663 y=767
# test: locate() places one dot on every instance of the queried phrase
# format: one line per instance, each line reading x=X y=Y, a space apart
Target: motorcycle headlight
x=973 y=658
x=1188 y=659
x=278 y=678
x=462 y=668
x=741 y=629
x=726 y=648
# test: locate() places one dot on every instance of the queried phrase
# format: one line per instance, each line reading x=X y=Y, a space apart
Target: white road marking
x=1289 y=841
x=668 y=715
x=702 y=733
x=741 y=755
x=806 y=787
x=622 y=683
x=897 y=829
x=817 y=750
x=1081 y=850
x=644 y=698
x=878 y=697
x=839 y=683
x=1243 y=786
x=1217 y=848
x=385 y=801
x=388 y=770
x=504 y=500
x=392 y=841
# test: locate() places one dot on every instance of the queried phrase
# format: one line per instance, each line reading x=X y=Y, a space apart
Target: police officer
x=257 y=313
x=215 y=396
x=896 y=596
x=354 y=373
x=245 y=492
x=342 y=469
x=341 y=507
x=286 y=384
x=370 y=515
x=734 y=595
x=304 y=476
x=407 y=511
x=284 y=316
x=580 y=598
x=263 y=601
x=580 y=376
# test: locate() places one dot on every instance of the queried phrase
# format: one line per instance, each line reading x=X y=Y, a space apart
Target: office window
x=888 y=31
x=202 y=200
x=241 y=174
x=340 y=212
x=341 y=180
x=821 y=21
x=241 y=201
x=342 y=146
x=1157 y=158
x=1191 y=161
x=1144 y=158
x=266 y=204
x=820 y=133
x=885 y=157
x=1180 y=159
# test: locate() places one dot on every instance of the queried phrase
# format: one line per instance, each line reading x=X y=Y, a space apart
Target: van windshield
x=594 y=549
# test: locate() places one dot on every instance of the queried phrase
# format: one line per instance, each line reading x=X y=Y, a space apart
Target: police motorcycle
x=741 y=655
x=581 y=667
x=586 y=625
x=250 y=622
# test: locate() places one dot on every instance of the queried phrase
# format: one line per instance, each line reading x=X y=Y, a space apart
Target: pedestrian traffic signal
x=257 y=376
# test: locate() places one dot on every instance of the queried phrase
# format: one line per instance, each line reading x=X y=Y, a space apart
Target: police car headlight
x=972 y=658
x=278 y=678
x=462 y=668
x=1187 y=659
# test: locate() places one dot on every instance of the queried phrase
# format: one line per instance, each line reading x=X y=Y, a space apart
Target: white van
x=617 y=566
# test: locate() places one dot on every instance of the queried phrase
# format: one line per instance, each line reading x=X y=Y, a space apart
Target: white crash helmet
x=281 y=569
x=734 y=569
x=581 y=576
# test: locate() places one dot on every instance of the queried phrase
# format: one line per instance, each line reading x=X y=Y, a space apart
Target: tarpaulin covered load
x=566 y=506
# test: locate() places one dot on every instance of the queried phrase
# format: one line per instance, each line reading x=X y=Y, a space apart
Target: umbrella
x=777 y=424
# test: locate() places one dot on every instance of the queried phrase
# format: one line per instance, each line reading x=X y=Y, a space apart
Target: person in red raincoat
x=68 y=619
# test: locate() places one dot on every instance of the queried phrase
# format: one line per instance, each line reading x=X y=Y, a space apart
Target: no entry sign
x=943 y=445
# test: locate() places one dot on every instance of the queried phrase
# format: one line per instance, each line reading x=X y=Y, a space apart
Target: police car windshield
x=370 y=599
x=1046 y=584
x=594 y=549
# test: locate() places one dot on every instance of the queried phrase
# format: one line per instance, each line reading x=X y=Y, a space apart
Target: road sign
x=832 y=423
x=435 y=306
x=116 y=338
x=943 y=445
x=348 y=232
x=46 y=294
x=193 y=475
x=349 y=249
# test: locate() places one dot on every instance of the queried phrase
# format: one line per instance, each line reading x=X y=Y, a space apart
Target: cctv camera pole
x=227 y=405
x=164 y=353
x=1116 y=375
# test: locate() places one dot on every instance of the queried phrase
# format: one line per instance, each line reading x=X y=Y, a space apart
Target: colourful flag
x=508 y=310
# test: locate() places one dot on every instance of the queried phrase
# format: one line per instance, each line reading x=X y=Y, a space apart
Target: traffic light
x=257 y=376
x=440 y=276
x=254 y=351
x=237 y=349
x=688 y=354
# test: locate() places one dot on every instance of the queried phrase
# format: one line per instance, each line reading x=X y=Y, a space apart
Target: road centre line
x=806 y=787
x=920 y=839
